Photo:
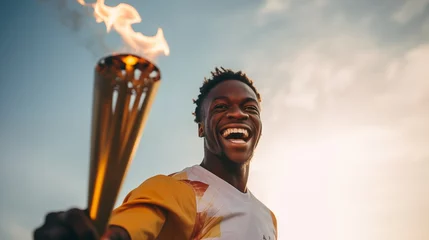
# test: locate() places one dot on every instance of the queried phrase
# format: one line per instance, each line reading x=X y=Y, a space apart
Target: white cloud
x=278 y=6
x=15 y=231
x=273 y=6
x=344 y=150
x=344 y=132
x=272 y=10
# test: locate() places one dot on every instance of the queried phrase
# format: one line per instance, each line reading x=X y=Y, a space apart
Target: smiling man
x=206 y=201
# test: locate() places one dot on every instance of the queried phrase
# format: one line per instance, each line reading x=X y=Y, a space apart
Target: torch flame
x=130 y=60
x=120 y=18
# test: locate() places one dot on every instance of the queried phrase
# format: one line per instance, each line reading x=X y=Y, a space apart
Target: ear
x=200 y=130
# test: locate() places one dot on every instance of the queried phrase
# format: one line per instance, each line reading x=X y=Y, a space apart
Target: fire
x=120 y=18
x=130 y=60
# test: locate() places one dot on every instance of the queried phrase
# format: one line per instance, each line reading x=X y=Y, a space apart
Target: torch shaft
x=116 y=129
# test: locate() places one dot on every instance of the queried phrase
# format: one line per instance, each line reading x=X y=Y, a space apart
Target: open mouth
x=236 y=135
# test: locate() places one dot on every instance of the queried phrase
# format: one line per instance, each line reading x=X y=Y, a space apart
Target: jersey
x=193 y=204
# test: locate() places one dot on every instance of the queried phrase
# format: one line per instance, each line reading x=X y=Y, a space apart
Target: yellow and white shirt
x=193 y=204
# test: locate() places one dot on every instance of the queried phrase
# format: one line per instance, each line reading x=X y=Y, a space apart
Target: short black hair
x=219 y=75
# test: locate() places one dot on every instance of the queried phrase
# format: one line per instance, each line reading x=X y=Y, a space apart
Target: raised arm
x=141 y=216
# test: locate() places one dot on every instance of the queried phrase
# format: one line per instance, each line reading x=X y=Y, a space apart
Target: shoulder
x=163 y=182
x=266 y=209
x=273 y=217
x=182 y=184
x=195 y=182
x=160 y=188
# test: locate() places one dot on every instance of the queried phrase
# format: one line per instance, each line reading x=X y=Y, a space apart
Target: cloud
x=274 y=6
x=425 y=28
x=73 y=17
x=14 y=231
x=344 y=147
x=347 y=131
x=409 y=10
x=280 y=6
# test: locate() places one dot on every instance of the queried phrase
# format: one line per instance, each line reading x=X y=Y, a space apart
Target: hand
x=73 y=224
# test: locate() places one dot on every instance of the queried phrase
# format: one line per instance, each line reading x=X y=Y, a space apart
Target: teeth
x=237 y=141
x=235 y=130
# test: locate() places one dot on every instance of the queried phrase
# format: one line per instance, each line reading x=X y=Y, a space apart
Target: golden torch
x=124 y=89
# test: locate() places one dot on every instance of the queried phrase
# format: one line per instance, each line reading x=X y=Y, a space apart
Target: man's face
x=231 y=121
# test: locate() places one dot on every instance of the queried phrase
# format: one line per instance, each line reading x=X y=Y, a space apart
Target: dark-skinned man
x=206 y=201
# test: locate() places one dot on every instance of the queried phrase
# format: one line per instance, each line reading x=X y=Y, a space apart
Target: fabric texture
x=193 y=204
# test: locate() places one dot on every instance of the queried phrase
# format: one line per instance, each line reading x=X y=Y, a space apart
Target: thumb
x=115 y=233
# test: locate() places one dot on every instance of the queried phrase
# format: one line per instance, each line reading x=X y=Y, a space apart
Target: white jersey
x=193 y=204
x=226 y=213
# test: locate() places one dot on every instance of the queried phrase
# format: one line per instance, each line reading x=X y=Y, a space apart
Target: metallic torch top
x=122 y=61
x=138 y=72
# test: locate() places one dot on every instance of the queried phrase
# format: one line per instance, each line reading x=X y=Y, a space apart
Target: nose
x=236 y=113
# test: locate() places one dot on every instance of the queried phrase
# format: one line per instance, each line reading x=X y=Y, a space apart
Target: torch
x=125 y=86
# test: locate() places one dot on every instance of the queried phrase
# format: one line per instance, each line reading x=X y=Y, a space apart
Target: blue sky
x=345 y=107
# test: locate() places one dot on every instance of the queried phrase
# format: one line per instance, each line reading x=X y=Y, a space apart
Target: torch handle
x=117 y=125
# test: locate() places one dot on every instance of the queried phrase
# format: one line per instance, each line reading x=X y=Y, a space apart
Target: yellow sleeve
x=273 y=217
x=161 y=203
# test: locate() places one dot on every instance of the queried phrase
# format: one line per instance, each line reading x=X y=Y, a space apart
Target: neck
x=233 y=173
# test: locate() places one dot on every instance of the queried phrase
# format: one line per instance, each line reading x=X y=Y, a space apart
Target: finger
x=80 y=224
x=116 y=233
x=52 y=228
x=53 y=232
x=53 y=218
x=39 y=234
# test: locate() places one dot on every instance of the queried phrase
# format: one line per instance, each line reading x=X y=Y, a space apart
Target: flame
x=120 y=18
x=130 y=60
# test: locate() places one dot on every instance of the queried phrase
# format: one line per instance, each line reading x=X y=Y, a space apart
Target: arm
x=145 y=210
x=142 y=215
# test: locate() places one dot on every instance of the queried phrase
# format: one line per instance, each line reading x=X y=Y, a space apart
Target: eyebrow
x=248 y=99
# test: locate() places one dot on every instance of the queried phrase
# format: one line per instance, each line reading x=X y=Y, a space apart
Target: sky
x=345 y=86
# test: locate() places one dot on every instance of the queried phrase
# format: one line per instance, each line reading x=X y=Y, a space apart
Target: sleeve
x=146 y=209
x=273 y=217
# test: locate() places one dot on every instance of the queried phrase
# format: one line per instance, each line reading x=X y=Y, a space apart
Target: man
x=206 y=201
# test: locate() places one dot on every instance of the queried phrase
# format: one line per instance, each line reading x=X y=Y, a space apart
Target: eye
x=220 y=106
x=251 y=108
